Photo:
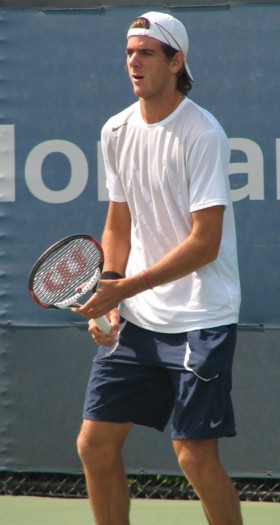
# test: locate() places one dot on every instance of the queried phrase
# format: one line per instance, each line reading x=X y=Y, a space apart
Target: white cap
x=166 y=29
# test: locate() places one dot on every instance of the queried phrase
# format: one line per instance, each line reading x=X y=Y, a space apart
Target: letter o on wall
x=78 y=176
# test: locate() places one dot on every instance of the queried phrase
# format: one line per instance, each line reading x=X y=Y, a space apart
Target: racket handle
x=103 y=324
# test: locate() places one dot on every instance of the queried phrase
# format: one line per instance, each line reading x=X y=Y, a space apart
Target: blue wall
x=62 y=76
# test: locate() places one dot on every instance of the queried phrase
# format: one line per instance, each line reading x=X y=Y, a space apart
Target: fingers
x=96 y=306
x=106 y=298
x=101 y=338
x=114 y=317
x=84 y=309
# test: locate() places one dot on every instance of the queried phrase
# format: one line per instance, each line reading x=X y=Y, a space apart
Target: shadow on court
x=21 y=510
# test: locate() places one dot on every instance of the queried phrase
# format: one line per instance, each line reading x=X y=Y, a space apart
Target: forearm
x=182 y=260
x=201 y=247
x=116 y=238
x=116 y=249
x=176 y=264
x=197 y=250
x=186 y=258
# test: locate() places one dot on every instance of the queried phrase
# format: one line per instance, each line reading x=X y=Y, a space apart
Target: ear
x=177 y=62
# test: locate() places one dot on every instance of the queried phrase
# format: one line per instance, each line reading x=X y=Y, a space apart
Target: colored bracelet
x=148 y=280
x=111 y=275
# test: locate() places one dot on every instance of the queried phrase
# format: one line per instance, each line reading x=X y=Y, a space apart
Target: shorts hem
x=92 y=417
x=181 y=437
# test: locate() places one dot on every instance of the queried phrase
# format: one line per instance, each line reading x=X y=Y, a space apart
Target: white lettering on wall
x=7 y=163
x=253 y=167
x=78 y=175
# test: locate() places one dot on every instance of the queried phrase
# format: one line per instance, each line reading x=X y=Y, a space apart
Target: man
x=170 y=231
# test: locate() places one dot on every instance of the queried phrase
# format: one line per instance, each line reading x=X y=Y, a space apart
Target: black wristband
x=111 y=275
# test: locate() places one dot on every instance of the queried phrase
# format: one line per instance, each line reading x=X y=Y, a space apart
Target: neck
x=154 y=111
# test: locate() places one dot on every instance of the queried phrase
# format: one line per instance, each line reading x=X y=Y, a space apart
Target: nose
x=133 y=60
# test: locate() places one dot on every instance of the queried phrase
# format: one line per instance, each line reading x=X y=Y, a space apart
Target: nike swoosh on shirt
x=215 y=424
x=118 y=127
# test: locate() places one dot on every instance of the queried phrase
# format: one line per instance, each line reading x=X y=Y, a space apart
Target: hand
x=107 y=296
x=101 y=338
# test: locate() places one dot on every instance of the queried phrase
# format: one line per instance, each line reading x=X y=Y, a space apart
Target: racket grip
x=103 y=324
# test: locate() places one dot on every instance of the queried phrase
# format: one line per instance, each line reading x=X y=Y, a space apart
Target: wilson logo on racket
x=64 y=271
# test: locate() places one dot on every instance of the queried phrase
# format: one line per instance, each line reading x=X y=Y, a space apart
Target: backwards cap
x=166 y=29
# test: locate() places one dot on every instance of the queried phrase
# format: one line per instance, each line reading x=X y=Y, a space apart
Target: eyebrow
x=142 y=49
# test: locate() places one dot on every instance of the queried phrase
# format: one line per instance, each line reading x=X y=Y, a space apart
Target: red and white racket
x=66 y=272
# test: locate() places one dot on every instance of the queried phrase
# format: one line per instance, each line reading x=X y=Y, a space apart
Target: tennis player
x=171 y=268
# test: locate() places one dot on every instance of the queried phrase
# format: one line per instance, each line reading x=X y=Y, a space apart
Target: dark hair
x=184 y=81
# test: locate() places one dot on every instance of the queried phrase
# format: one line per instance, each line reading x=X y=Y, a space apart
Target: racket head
x=63 y=268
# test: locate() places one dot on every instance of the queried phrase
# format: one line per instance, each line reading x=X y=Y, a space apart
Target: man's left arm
x=201 y=247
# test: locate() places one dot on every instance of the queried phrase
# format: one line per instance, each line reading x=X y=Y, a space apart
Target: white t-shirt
x=165 y=171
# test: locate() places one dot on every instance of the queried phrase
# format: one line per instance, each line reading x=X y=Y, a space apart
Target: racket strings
x=65 y=270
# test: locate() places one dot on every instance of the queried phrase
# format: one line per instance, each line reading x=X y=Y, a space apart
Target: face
x=149 y=70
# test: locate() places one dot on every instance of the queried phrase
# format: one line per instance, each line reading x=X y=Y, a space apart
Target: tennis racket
x=66 y=272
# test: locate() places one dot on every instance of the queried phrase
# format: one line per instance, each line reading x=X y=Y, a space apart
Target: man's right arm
x=116 y=238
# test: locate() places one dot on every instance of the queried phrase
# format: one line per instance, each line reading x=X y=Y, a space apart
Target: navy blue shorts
x=151 y=376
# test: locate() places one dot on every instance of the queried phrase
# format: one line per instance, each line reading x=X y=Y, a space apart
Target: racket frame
x=102 y=322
